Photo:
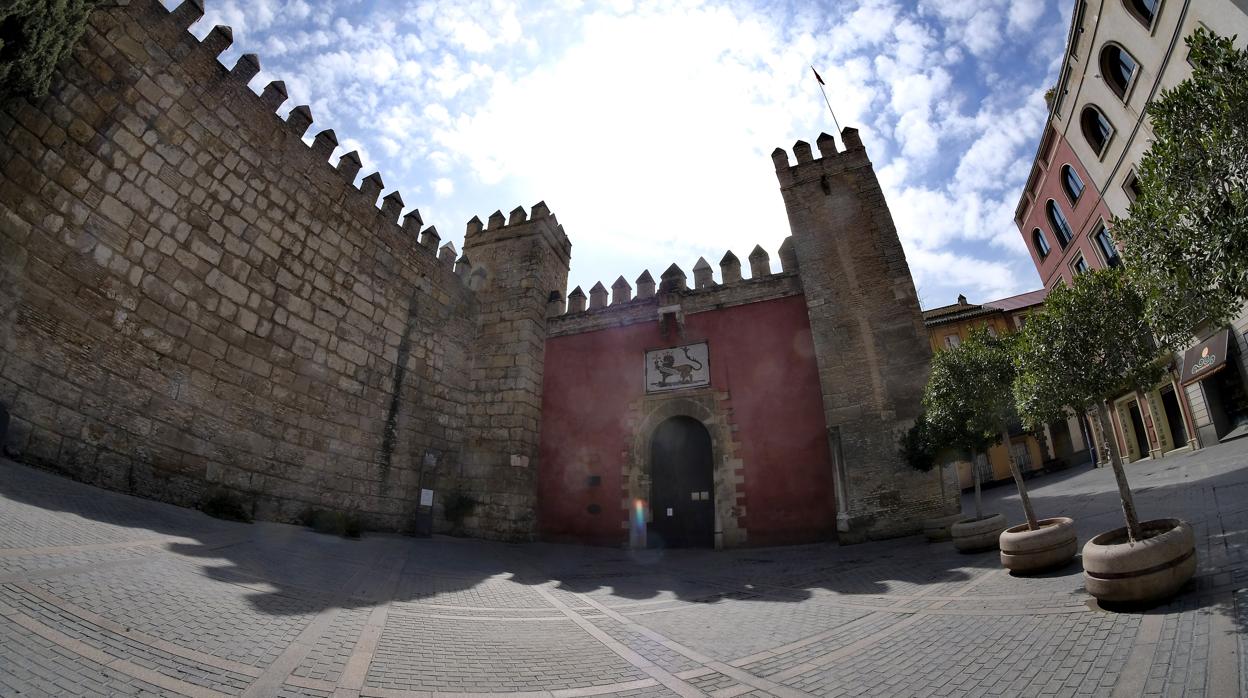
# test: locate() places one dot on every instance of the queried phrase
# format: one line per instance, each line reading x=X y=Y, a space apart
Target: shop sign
x=1204 y=359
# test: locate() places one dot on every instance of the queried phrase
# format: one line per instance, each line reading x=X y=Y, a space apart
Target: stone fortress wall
x=193 y=299
x=870 y=358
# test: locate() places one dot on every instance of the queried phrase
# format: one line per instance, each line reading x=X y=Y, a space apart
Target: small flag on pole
x=825 y=96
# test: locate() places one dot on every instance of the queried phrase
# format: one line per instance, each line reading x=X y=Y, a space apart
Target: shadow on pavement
x=280 y=562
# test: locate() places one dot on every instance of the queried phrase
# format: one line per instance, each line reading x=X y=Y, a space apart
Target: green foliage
x=34 y=36
x=968 y=393
x=1186 y=237
x=1088 y=343
x=338 y=523
x=224 y=504
x=917 y=447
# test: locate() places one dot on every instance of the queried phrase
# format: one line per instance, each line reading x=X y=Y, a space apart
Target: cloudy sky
x=647 y=126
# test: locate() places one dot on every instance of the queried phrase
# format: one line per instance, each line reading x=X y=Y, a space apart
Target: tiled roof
x=965 y=311
x=1022 y=300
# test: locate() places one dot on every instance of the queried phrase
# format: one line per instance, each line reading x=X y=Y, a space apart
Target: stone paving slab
x=104 y=594
x=481 y=656
x=123 y=647
x=329 y=657
x=33 y=666
x=167 y=601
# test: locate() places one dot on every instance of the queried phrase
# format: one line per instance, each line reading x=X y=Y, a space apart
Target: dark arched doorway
x=682 y=492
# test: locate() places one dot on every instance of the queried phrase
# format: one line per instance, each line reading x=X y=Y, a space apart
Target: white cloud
x=978 y=277
x=647 y=125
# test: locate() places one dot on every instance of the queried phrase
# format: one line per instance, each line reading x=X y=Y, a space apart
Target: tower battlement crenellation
x=674 y=280
x=499 y=227
x=200 y=59
x=807 y=164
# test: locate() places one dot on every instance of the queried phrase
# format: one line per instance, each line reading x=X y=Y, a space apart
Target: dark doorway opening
x=1137 y=425
x=1174 y=417
x=1061 y=443
x=1232 y=397
x=682 y=492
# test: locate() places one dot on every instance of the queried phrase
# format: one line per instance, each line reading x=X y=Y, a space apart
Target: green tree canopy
x=1089 y=342
x=917 y=447
x=1186 y=237
x=969 y=402
x=34 y=36
x=968 y=392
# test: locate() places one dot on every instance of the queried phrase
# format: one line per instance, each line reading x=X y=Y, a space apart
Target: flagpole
x=825 y=98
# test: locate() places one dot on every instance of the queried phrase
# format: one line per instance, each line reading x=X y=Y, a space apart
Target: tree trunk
x=979 y=504
x=1032 y=523
x=1124 y=490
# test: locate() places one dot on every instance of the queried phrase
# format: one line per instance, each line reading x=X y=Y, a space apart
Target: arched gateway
x=682 y=489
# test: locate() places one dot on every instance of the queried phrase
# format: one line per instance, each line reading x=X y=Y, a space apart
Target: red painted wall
x=1084 y=216
x=761 y=353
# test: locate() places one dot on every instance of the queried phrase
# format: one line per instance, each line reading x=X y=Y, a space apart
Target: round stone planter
x=1152 y=569
x=938 y=529
x=975 y=535
x=1052 y=545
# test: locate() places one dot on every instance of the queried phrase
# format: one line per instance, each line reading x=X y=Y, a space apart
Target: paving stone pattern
x=103 y=594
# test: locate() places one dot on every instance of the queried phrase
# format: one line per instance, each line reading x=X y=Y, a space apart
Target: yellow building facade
x=1057 y=445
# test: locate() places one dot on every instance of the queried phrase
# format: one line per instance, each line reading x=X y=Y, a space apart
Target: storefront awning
x=1206 y=358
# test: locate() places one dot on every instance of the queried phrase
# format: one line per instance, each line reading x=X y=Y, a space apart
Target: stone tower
x=513 y=264
x=871 y=348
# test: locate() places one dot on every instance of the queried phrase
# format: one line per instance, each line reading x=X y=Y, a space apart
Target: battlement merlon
x=539 y=222
x=198 y=63
x=830 y=160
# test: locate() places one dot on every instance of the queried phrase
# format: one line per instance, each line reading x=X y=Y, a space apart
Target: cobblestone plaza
x=104 y=594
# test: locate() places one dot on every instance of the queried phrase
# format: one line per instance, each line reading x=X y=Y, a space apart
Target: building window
x=1131 y=185
x=1079 y=266
x=1058 y=222
x=1022 y=455
x=1037 y=239
x=1096 y=128
x=1118 y=68
x=992 y=331
x=1105 y=243
x=1143 y=10
x=952 y=341
x=1071 y=183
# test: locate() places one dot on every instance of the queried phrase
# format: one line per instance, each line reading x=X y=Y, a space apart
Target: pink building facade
x=1063 y=220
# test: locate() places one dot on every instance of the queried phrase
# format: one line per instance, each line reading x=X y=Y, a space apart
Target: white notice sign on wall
x=678 y=367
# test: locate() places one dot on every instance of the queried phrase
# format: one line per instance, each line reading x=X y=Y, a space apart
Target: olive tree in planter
x=971 y=392
x=1089 y=343
x=954 y=404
